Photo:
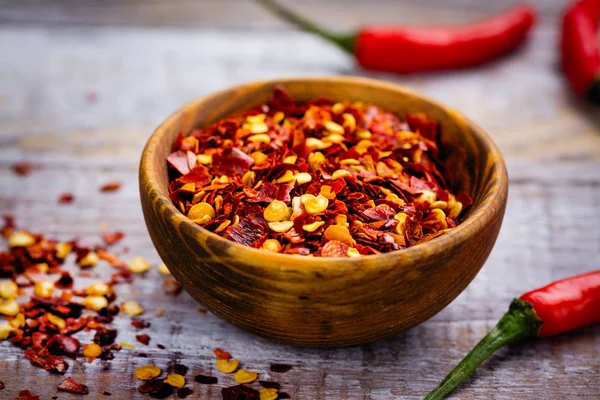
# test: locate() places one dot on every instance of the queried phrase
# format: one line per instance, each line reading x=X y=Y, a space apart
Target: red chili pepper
x=580 y=52
x=417 y=49
x=556 y=308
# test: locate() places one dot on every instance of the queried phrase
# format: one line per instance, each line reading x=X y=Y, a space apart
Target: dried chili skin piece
x=280 y=368
x=63 y=345
x=240 y=392
x=153 y=385
x=69 y=385
x=144 y=339
x=110 y=186
x=2 y=385
x=140 y=323
x=269 y=384
x=206 y=380
x=105 y=337
x=347 y=164
x=184 y=392
x=44 y=359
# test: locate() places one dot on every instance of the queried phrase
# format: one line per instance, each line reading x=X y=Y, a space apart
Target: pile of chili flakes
x=45 y=325
x=322 y=178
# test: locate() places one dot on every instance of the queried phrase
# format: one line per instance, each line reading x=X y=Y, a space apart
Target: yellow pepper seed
x=9 y=290
x=175 y=380
x=162 y=268
x=278 y=117
x=243 y=376
x=303 y=177
x=440 y=216
x=326 y=191
x=428 y=196
x=18 y=321
x=189 y=187
x=249 y=178
x=314 y=205
x=90 y=260
x=138 y=265
x=349 y=122
x=259 y=138
x=204 y=159
x=227 y=366
x=160 y=312
x=350 y=161
x=315 y=143
x=63 y=249
x=340 y=233
x=439 y=204
x=315 y=160
x=276 y=211
x=95 y=303
x=259 y=157
x=290 y=159
x=43 y=289
x=364 y=135
x=340 y=173
x=91 y=350
x=341 y=219
x=268 y=394
x=5 y=330
x=147 y=372
x=334 y=127
x=282 y=226
x=338 y=108
x=456 y=209
x=334 y=138
x=201 y=210
x=394 y=199
x=313 y=227
x=98 y=289
x=256 y=119
x=56 y=321
x=222 y=226
x=352 y=252
x=287 y=177
x=132 y=308
x=21 y=239
x=271 y=245
x=10 y=308
x=126 y=345
x=401 y=226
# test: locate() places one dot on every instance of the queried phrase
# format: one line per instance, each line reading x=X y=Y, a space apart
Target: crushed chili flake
x=26 y=395
x=184 y=392
x=222 y=354
x=280 y=176
x=283 y=395
x=106 y=394
x=240 y=392
x=153 y=385
x=112 y=238
x=2 y=385
x=69 y=385
x=280 y=368
x=66 y=198
x=110 y=186
x=179 y=369
x=140 y=324
x=206 y=380
x=23 y=168
x=270 y=385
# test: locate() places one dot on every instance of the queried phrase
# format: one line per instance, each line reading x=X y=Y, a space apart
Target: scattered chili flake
x=66 y=198
x=179 y=369
x=160 y=346
x=322 y=178
x=2 y=385
x=110 y=186
x=112 y=238
x=140 y=323
x=23 y=168
x=206 y=380
x=106 y=394
x=26 y=395
x=164 y=392
x=105 y=336
x=153 y=385
x=69 y=385
x=143 y=339
x=184 y=392
x=171 y=286
x=240 y=392
x=280 y=368
x=221 y=354
x=44 y=359
x=283 y=395
x=269 y=384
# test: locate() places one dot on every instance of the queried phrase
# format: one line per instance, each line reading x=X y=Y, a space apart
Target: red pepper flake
x=184 y=392
x=69 y=385
x=65 y=281
x=140 y=323
x=165 y=391
x=280 y=368
x=240 y=392
x=110 y=186
x=277 y=177
x=160 y=346
x=206 y=380
x=26 y=395
x=143 y=339
x=9 y=226
x=2 y=385
x=222 y=354
x=44 y=359
x=179 y=369
x=66 y=198
x=105 y=337
x=112 y=238
x=153 y=385
x=283 y=395
x=23 y=168
x=106 y=394
x=63 y=345
x=269 y=384
x=171 y=286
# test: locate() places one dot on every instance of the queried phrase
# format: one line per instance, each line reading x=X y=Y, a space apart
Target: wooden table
x=82 y=86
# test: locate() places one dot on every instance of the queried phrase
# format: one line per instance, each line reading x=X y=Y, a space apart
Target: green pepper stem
x=593 y=94
x=345 y=42
x=520 y=321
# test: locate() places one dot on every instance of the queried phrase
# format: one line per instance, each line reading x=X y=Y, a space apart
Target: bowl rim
x=478 y=218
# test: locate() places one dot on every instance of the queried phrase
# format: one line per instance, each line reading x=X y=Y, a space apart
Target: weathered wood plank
x=138 y=76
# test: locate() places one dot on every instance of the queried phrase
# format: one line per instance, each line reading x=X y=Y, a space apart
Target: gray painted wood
x=57 y=58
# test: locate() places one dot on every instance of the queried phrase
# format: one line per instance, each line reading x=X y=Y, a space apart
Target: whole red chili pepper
x=580 y=52
x=417 y=49
x=556 y=308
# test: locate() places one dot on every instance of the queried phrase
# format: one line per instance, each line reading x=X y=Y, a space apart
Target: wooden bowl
x=319 y=301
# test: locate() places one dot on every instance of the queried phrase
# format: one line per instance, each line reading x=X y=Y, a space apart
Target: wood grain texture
x=319 y=301
x=49 y=77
